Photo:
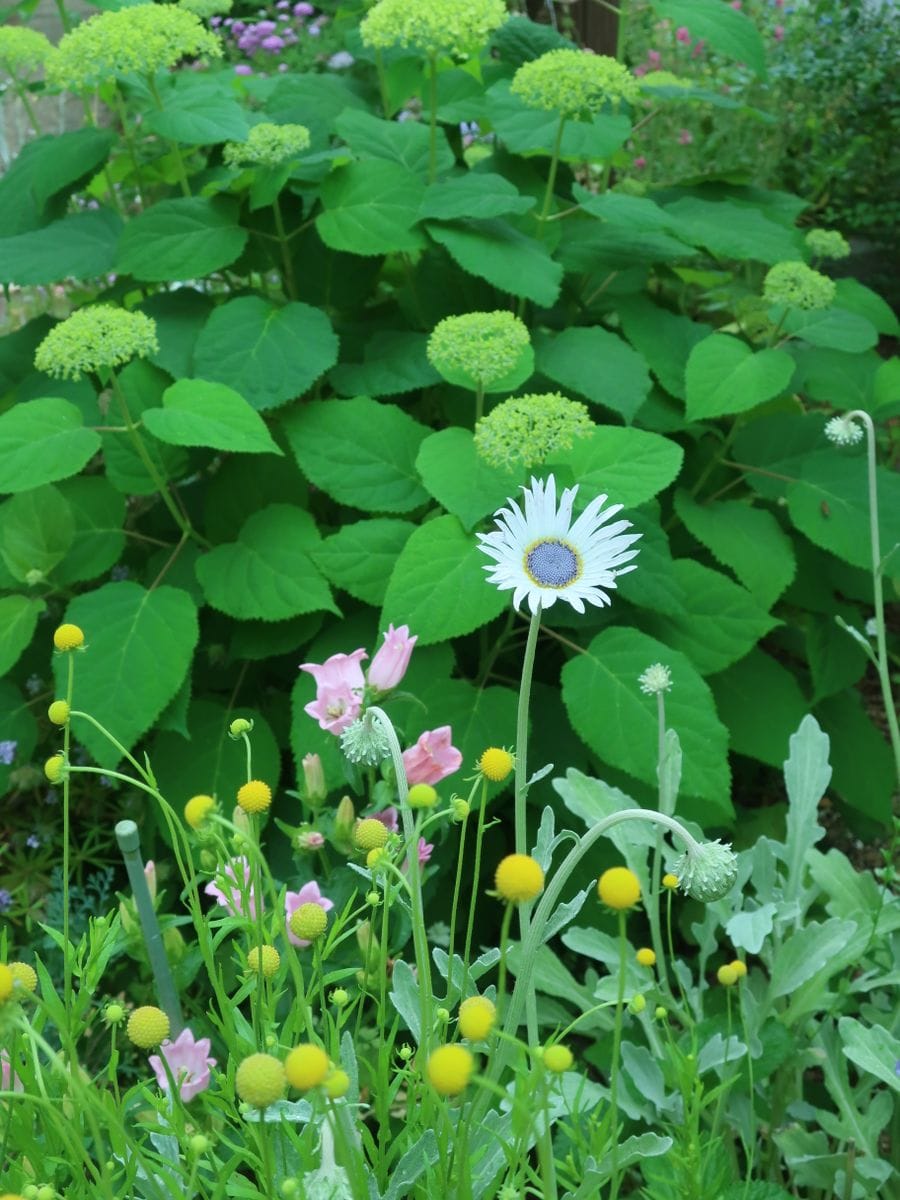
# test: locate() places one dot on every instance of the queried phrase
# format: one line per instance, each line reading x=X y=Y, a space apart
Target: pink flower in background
x=231 y=886
x=189 y=1063
x=654 y=58
x=698 y=49
x=685 y=137
x=639 y=71
x=683 y=34
x=390 y=662
x=339 y=690
x=150 y=876
x=736 y=5
x=388 y=818
x=308 y=894
x=639 y=163
x=426 y=849
x=432 y=758
x=9 y=1081
x=778 y=33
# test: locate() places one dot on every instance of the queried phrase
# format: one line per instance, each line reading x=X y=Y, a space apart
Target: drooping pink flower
x=432 y=758
x=683 y=34
x=388 y=818
x=390 y=662
x=233 y=890
x=339 y=690
x=685 y=137
x=189 y=1064
x=778 y=33
x=308 y=894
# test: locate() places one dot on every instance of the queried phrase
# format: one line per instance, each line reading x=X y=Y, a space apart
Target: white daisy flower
x=544 y=556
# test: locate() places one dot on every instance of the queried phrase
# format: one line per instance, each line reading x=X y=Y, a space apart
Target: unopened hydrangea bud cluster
x=142 y=40
x=454 y=27
x=798 y=286
x=268 y=145
x=572 y=82
x=527 y=430
x=827 y=243
x=483 y=345
x=96 y=337
x=22 y=50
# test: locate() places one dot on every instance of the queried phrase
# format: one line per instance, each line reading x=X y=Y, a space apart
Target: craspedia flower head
x=370 y=834
x=22 y=50
x=619 y=888
x=727 y=975
x=142 y=40
x=519 y=877
x=479 y=348
x=827 y=243
x=147 y=1026
x=58 y=712
x=54 y=767
x=306 y=1067
x=365 y=741
x=24 y=976
x=525 y=431
x=422 y=795
x=798 y=286
x=656 y=678
x=646 y=957
x=739 y=967
x=68 y=637
x=260 y=1080
x=254 y=796
x=477 y=1016
x=198 y=809
x=574 y=83
x=454 y=27
x=670 y=881
x=7 y=983
x=450 y=1069
x=544 y=556
x=268 y=145
x=496 y=764
x=336 y=1084
x=265 y=958
x=100 y=335
x=309 y=922
x=843 y=431
x=557 y=1058
x=707 y=871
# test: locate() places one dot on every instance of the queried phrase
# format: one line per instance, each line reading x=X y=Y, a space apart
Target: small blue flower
x=7 y=752
x=5 y=900
x=32 y=841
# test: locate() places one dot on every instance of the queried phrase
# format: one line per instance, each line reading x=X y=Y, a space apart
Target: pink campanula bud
x=314 y=779
x=150 y=876
x=432 y=758
x=389 y=664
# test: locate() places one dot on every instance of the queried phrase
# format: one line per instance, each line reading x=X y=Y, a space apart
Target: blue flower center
x=552 y=563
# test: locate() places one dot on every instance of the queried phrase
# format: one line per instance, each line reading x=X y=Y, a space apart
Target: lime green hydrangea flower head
x=143 y=40
x=22 y=50
x=526 y=430
x=94 y=337
x=798 y=286
x=482 y=346
x=205 y=9
x=454 y=27
x=574 y=82
x=268 y=145
x=827 y=243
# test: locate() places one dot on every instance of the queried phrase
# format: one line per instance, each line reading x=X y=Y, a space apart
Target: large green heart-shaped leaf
x=81 y=245
x=98 y=511
x=724 y=375
x=198 y=110
x=48 y=169
x=371 y=207
x=198 y=413
x=36 y=531
x=18 y=621
x=359 y=558
x=629 y=465
x=42 y=441
x=598 y=365
x=463 y=482
x=475 y=195
x=139 y=646
x=509 y=260
x=181 y=239
x=728 y=31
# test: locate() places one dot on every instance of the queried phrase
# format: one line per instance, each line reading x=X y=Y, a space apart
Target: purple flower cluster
x=269 y=38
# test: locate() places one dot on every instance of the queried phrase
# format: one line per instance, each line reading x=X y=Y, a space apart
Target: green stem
x=751 y=1150
x=457 y=886
x=22 y=92
x=173 y=146
x=129 y=142
x=656 y=870
x=476 y=875
x=382 y=85
x=551 y=178
x=479 y=402
x=614 y=1071
x=501 y=972
x=290 y=283
x=67 y=949
x=875 y=538
x=432 y=129
x=521 y=795
x=545 y=1148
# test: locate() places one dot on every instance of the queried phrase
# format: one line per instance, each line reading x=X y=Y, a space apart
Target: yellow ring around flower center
x=552 y=563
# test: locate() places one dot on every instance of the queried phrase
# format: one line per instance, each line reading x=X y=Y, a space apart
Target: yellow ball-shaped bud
x=58 y=712
x=147 y=1026
x=198 y=809
x=266 y=958
x=309 y=922
x=619 y=888
x=646 y=957
x=7 y=983
x=727 y=976
x=477 y=1016
x=337 y=1084
x=739 y=968
x=670 y=881
x=53 y=768
x=450 y=1069
x=558 y=1058
x=370 y=834
x=68 y=637
x=260 y=1080
x=24 y=976
x=422 y=795
x=306 y=1067
x=519 y=877
x=255 y=796
x=496 y=764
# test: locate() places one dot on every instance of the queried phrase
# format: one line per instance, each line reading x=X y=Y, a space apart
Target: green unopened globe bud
x=660 y=1013
x=707 y=871
x=268 y=145
x=405 y=1052
x=339 y=997
x=208 y=860
x=113 y=1014
x=290 y=1188
x=373 y=899
x=827 y=243
x=459 y=808
x=199 y=1144
x=239 y=727
x=443 y=1015
x=637 y=1004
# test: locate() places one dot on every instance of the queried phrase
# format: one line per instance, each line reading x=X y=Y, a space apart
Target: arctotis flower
x=339 y=690
x=432 y=758
x=543 y=555
x=189 y=1063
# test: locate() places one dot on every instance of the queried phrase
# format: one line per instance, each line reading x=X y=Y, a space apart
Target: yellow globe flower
x=309 y=922
x=147 y=1026
x=727 y=975
x=260 y=1080
x=58 y=712
x=68 y=637
x=422 y=795
x=271 y=960
x=670 y=881
x=558 y=1058
x=7 y=982
x=619 y=888
x=519 y=877
x=53 y=768
x=337 y=1084
x=306 y=1067
x=740 y=968
x=646 y=957
x=450 y=1069
x=255 y=796
x=370 y=834
x=24 y=976
x=496 y=764
x=198 y=809
x=477 y=1016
